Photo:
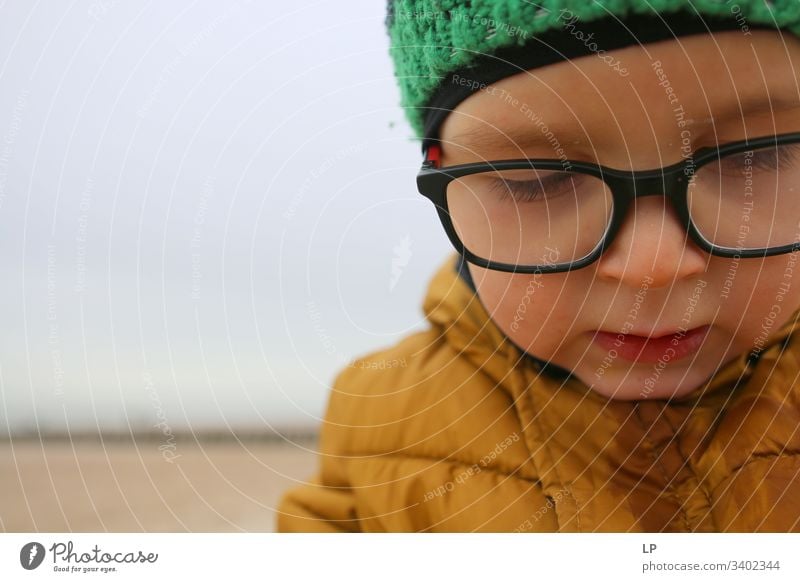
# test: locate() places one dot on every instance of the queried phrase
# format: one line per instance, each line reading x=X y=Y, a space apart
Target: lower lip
x=636 y=348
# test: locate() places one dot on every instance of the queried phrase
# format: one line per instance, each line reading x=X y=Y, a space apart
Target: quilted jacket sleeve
x=315 y=507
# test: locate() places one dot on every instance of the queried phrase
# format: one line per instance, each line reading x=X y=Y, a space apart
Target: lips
x=665 y=348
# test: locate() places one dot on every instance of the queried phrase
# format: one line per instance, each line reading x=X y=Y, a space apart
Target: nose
x=651 y=242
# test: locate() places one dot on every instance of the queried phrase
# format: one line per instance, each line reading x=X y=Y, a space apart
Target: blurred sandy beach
x=208 y=483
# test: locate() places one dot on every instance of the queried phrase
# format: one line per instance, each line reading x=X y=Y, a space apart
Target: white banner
x=379 y=557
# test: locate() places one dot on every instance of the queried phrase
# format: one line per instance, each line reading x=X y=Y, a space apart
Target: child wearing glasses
x=611 y=347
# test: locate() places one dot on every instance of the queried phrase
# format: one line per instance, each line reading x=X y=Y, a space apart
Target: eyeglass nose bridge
x=671 y=182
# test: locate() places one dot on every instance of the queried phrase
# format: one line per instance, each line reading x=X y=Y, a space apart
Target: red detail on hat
x=434 y=154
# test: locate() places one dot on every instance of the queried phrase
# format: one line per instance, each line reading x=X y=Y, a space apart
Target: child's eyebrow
x=523 y=138
x=480 y=138
x=754 y=106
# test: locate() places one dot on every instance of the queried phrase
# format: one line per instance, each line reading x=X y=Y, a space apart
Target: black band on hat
x=561 y=44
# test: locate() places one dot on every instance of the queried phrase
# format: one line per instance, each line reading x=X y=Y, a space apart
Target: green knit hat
x=432 y=41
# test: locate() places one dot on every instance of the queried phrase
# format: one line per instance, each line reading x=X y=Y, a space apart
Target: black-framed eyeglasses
x=739 y=199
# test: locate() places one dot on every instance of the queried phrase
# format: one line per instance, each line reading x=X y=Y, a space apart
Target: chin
x=633 y=388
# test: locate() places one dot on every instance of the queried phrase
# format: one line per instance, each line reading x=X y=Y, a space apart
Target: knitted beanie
x=445 y=50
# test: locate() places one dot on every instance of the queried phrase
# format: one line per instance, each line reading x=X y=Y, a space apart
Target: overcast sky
x=200 y=205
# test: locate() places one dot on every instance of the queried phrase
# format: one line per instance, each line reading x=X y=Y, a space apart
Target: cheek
x=520 y=305
x=755 y=293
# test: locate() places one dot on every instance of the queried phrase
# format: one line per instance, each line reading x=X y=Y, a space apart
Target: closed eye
x=552 y=186
x=762 y=160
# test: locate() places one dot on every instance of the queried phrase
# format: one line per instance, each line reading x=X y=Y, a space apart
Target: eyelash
x=763 y=160
x=509 y=189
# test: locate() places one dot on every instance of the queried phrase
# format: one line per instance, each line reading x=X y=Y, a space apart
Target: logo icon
x=402 y=254
x=31 y=555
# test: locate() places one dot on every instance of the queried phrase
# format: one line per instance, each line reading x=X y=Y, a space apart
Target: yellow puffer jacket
x=462 y=434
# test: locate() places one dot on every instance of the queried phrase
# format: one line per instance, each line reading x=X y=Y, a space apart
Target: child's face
x=651 y=281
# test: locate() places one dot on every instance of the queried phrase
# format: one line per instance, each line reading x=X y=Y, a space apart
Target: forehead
x=717 y=87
